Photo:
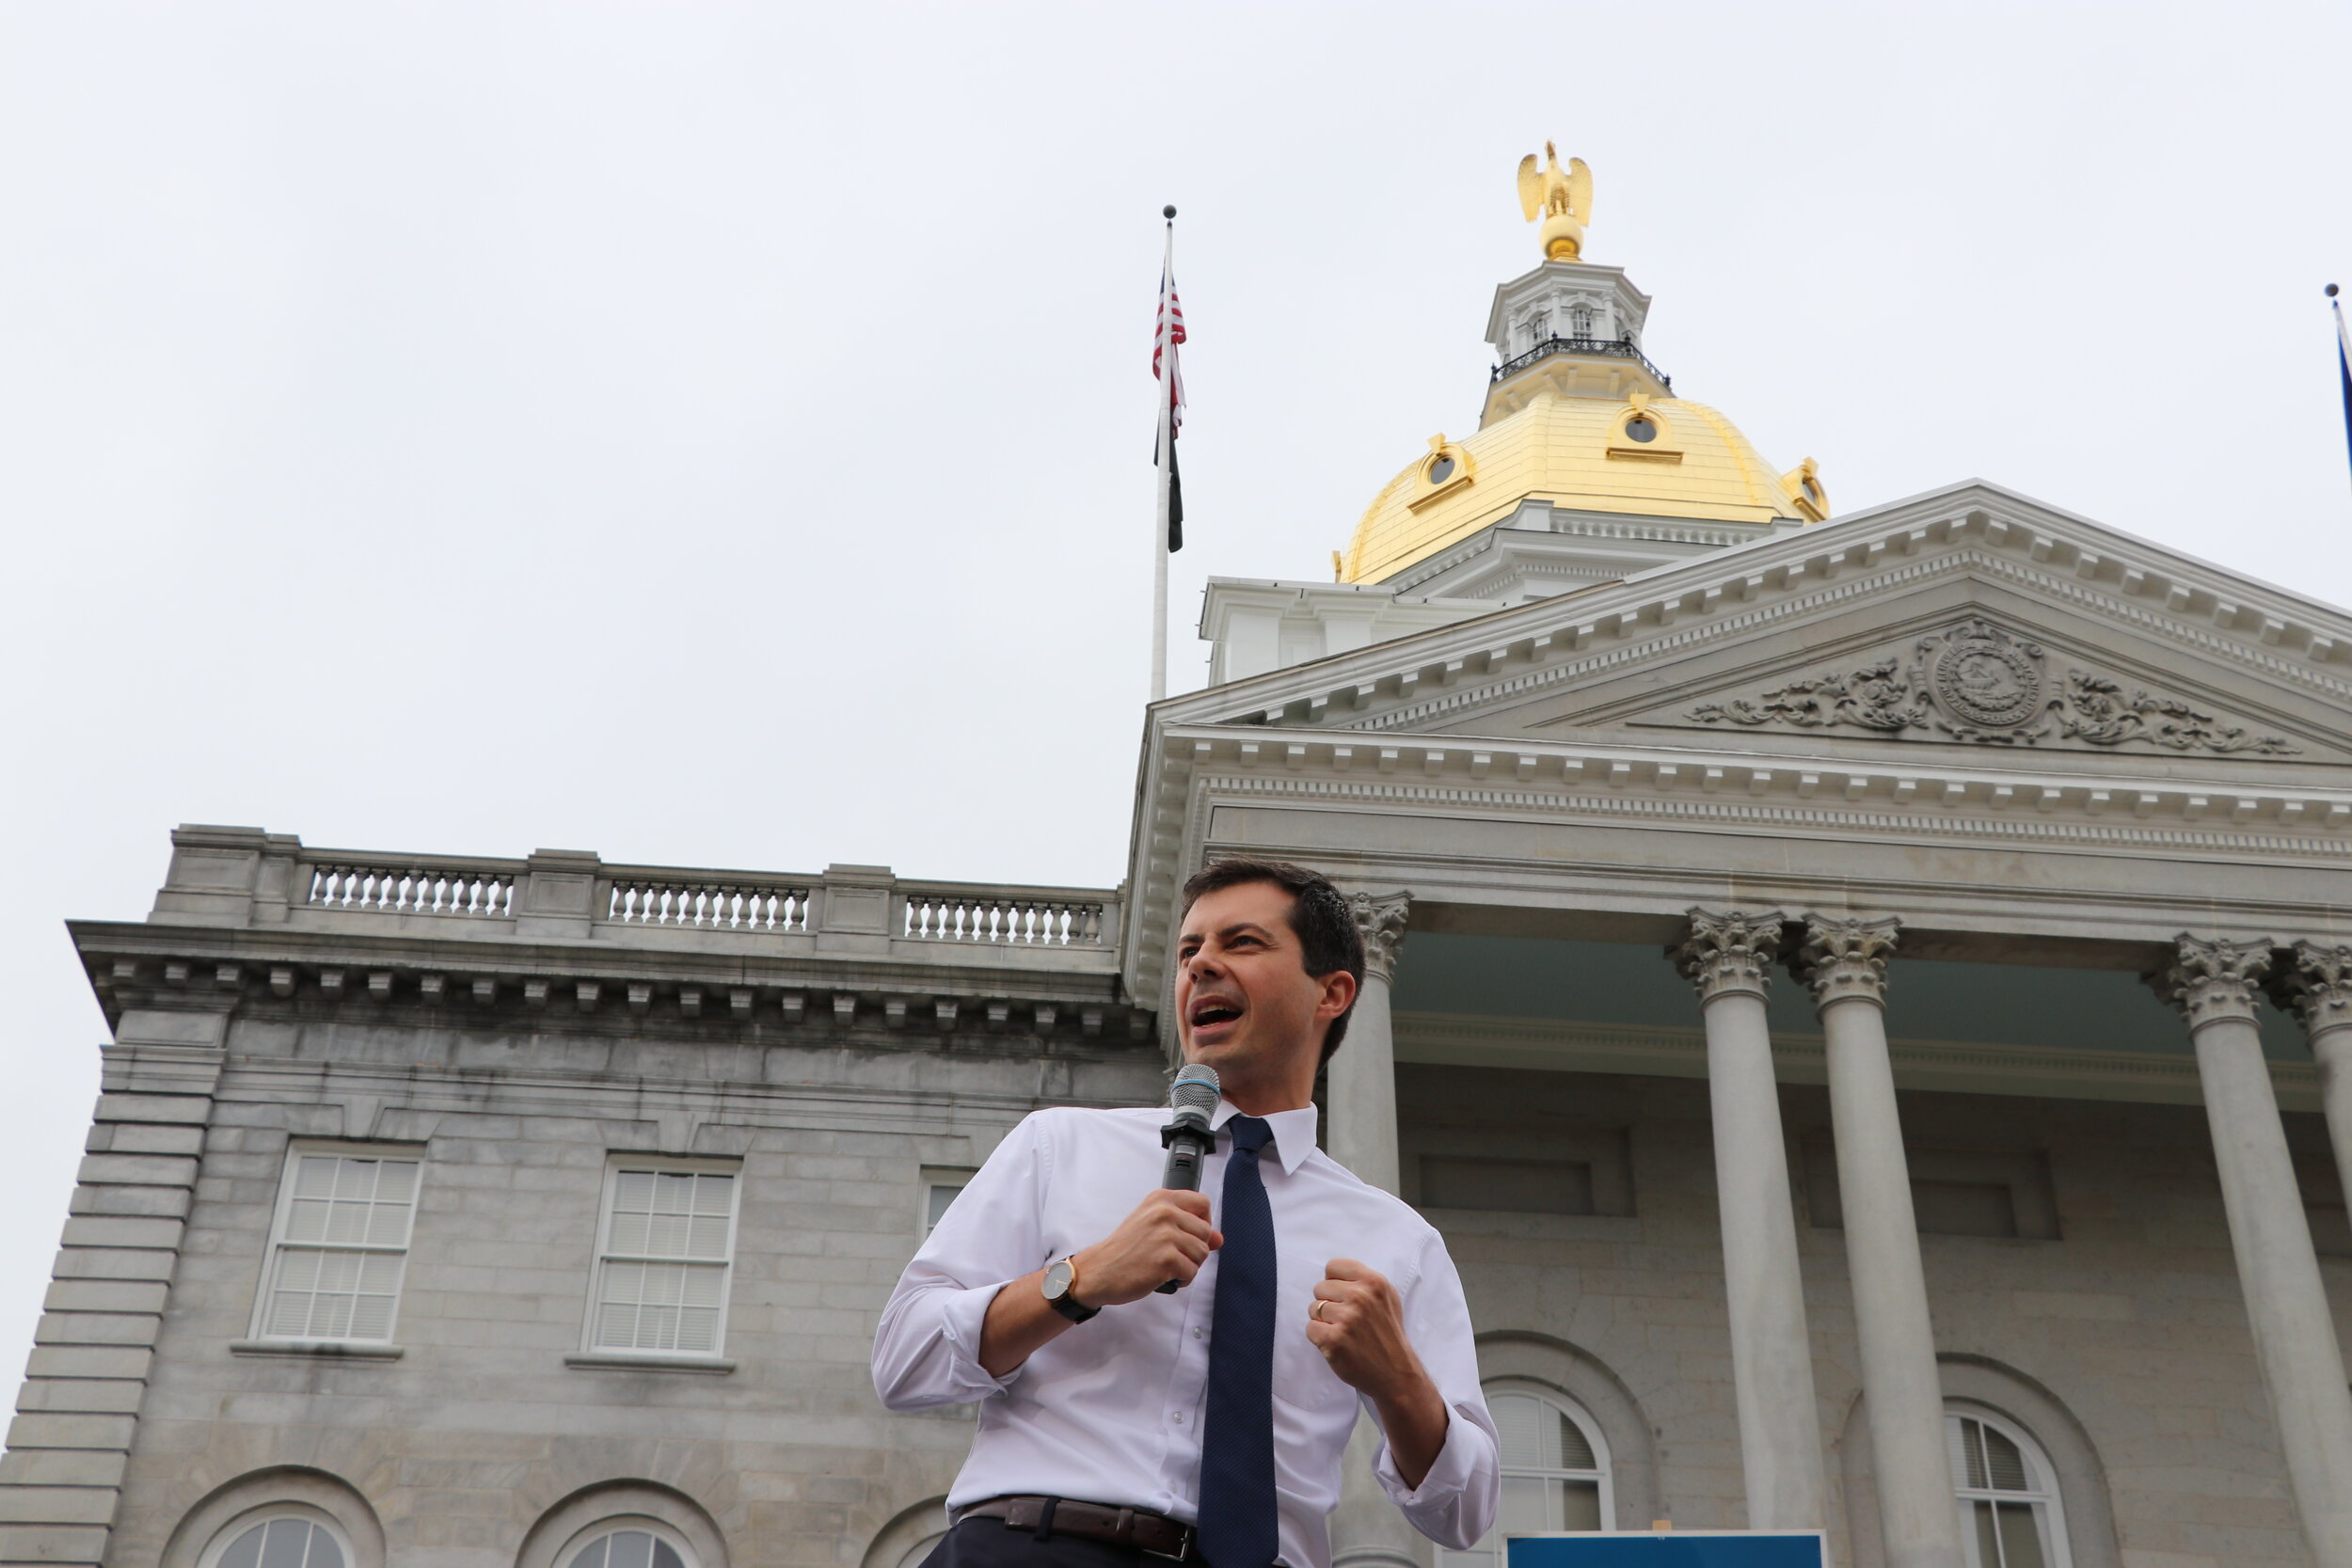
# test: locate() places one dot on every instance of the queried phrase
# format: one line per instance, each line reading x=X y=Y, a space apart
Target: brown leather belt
x=1155 y=1533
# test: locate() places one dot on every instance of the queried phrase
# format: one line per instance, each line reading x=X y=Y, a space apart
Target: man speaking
x=1121 y=1420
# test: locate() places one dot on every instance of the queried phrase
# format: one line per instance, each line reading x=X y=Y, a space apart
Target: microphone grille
x=1196 y=1089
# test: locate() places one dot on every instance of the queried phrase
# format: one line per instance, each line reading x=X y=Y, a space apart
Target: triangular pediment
x=1977 y=680
x=1968 y=618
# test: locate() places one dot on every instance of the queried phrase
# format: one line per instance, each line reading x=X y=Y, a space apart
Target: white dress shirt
x=1110 y=1411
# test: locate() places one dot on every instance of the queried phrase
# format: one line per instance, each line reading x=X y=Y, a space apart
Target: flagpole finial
x=2331 y=290
x=1169 y=212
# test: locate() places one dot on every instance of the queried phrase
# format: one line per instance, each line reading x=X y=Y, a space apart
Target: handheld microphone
x=1187 y=1137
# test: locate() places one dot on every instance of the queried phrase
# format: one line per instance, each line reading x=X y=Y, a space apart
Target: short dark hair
x=1320 y=918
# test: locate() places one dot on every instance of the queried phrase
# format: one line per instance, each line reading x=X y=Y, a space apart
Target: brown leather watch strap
x=1155 y=1533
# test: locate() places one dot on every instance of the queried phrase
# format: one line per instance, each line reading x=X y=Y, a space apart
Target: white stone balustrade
x=1022 y=917
x=241 y=876
x=409 y=888
x=708 y=906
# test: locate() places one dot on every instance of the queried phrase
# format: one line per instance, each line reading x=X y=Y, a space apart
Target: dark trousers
x=993 y=1543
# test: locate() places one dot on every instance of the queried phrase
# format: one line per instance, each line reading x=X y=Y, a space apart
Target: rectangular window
x=940 y=1185
x=338 y=1245
x=665 y=1247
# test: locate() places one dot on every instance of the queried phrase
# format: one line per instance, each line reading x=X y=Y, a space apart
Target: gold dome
x=1659 y=457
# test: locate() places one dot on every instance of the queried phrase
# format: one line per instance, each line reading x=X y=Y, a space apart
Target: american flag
x=1170 y=332
x=1164 y=337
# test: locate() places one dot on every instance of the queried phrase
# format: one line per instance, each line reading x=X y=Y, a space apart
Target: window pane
x=323 y=1552
x=1518 y=1420
x=2004 y=1464
x=2020 y=1534
x=1967 y=1440
x=631 y=1548
x=245 y=1551
x=1987 y=1545
x=1580 y=1505
x=935 y=1207
x=1525 y=1505
x=1575 y=1452
x=592 y=1554
x=671 y=1306
x=665 y=1555
x=287 y=1543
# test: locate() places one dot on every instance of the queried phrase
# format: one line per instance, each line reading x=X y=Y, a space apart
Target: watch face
x=1057 y=1280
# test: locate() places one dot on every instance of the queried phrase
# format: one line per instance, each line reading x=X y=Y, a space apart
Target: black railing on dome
x=1602 y=346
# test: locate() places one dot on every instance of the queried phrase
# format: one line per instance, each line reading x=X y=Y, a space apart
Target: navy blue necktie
x=1237 y=1518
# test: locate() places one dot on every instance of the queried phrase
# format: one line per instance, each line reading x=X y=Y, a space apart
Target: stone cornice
x=1943 y=1066
x=592 y=989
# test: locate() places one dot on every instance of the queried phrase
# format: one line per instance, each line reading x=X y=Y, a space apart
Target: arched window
x=2009 y=1514
x=633 y=1544
x=288 y=1540
x=1556 y=1470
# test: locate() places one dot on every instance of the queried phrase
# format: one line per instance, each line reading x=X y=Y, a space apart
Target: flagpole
x=2343 y=365
x=1159 y=532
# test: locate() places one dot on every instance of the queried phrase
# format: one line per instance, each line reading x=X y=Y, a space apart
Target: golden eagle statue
x=1564 y=197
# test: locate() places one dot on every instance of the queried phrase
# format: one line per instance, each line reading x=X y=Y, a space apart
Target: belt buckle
x=1182 y=1553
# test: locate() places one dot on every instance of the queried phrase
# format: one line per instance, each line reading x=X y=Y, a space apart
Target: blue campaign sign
x=1671 y=1549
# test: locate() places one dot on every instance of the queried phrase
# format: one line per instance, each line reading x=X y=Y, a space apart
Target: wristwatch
x=1059 y=1285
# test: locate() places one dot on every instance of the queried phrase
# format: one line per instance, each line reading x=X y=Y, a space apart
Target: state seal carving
x=1985 y=679
x=1976 y=682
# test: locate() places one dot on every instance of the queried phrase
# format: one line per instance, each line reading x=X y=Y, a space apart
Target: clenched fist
x=1358 y=1322
x=1167 y=1237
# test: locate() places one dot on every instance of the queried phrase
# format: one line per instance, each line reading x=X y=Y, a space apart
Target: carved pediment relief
x=1976 y=682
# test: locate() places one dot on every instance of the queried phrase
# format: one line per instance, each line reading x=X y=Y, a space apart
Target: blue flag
x=2344 y=367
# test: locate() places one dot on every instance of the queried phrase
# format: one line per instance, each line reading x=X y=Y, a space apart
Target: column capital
x=1842 y=958
x=1729 y=954
x=2213 y=980
x=2316 y=986
x=1380 y=919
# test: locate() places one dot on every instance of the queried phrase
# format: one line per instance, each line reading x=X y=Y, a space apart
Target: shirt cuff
x=961 y=1320
x=1435 y=1506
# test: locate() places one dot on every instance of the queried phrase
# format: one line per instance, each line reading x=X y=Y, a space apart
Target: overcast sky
x=719 y=434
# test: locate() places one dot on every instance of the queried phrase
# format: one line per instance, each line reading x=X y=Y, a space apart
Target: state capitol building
x=1866 y=998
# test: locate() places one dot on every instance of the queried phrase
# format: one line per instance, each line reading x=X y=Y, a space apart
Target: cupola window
x=1441 y=470
x=1641 y=428
x=1581 y=321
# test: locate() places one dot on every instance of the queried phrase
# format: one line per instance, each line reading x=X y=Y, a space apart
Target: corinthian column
x=2212 y=984
x=1844 y=961
x=1367 y=1532
x=1361 y=1085
x=1727 y=958
x=2318 y=989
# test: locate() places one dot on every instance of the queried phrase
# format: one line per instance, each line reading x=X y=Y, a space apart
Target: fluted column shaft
x=2318 y=989
x=1362 y=1082
x=1844 y=961
x=2212 y=984
x=1727 y=958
